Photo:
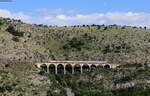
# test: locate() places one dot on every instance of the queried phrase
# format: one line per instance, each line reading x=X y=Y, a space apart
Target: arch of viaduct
x=74 y=64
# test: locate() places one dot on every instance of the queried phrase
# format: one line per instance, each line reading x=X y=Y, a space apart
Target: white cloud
x=20 y=15
x=119 y=18
x=5 y=13
x=8 y=14
x=52 y=12
x=59 y=11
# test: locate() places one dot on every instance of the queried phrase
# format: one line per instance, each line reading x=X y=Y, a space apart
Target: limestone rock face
x=148 y=65
x=31 y=42
x=38 y=80
x=125 y=85
x=98 y=77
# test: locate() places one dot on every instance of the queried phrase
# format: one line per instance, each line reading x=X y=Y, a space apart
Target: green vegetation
x=12 y=31
x=18 y=79
x=42 y=43
x=27 y=42
x=21 y=43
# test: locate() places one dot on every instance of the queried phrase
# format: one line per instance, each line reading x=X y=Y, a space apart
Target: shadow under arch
x=43 y=67
x=100 y=67
x=68 y=68
x=93 y=67
x=52 y=68
x=107 y=66
x=60 y=68
x=86 y=68
x=77 y=68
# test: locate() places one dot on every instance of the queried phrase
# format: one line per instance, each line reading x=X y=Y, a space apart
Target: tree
x=14 y=32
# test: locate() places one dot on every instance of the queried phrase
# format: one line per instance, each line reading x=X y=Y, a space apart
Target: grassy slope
x=42 y=43
x=23 y=79
x=117 y=44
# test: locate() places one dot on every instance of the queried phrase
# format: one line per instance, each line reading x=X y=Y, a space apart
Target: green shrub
x=16 y=39
x=14 y=32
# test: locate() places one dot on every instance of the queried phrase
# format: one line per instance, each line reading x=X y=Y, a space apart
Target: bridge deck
x=91 y=62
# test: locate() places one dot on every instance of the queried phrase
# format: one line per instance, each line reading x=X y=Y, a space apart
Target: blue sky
x=90 y=6
x=73 y=12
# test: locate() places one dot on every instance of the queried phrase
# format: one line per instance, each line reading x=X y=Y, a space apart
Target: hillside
x=24 y=79
x=26 y=42
x=21 y=45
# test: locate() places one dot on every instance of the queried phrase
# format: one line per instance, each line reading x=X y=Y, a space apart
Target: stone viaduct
x=74 y=65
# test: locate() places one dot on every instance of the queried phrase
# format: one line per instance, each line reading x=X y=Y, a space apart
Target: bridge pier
x=47 y=68
x=64 y=69
x=89 y=67
x=81 y=70
x=56 y=69
x=72 y=69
